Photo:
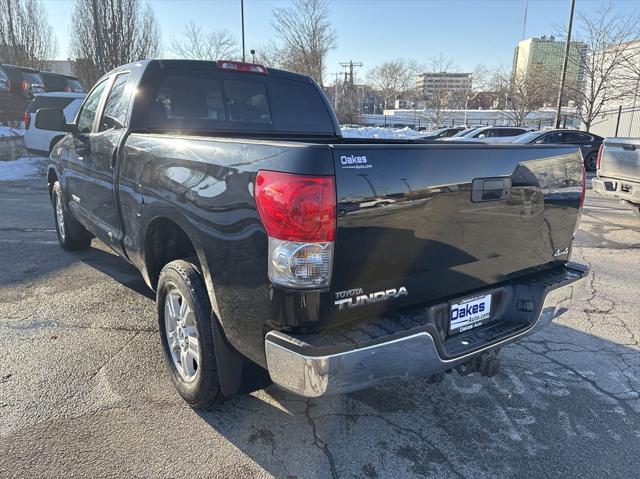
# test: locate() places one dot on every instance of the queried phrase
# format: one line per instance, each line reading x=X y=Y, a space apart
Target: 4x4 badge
x=561 y=252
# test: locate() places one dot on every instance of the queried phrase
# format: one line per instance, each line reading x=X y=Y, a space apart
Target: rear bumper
x=301 y=368
x=614 y=188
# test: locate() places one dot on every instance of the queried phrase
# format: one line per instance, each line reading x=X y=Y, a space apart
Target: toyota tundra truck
x=281 y=252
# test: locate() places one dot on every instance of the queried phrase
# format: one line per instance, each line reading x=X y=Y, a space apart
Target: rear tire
x=186 y=334
x=590 y=161
x=72 y=236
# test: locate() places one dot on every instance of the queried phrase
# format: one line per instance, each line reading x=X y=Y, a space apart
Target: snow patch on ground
x=22 y=168
x=380 y=132
x=9 y=131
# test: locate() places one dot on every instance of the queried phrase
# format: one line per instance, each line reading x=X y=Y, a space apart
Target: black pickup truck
x=282 y=252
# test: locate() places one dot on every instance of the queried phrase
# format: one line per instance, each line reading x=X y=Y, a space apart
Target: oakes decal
x=355 y=297
x=464 y=310
x=355 y=162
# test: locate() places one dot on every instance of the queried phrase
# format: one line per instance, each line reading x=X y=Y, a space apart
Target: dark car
x=281 y=251
x=443 y=133
x=59 y=82
x=4 y=95
x=588 y=142
x=24 y=83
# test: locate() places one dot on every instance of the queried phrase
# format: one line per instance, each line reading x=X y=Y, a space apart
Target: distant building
x=547 y=55
x=430 y=84
x=64 y=67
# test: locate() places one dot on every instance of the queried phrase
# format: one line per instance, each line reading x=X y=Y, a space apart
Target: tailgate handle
x=629 y=147
x=490 y=189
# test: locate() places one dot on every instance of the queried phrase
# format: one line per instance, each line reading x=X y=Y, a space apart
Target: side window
x=90 y=108
x=117 y=104
x=550 y=138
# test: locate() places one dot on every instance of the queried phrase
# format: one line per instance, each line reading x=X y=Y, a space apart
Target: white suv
x=39 y=141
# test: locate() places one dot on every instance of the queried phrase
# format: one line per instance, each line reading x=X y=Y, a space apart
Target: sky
x=469 y=32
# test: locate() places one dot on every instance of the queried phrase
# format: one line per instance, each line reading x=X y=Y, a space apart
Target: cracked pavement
x=84 y=393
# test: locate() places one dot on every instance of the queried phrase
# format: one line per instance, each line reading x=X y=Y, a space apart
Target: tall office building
x=546 y=54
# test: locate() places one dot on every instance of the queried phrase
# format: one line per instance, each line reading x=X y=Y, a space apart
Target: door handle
x=490 y=189
x=114 y=157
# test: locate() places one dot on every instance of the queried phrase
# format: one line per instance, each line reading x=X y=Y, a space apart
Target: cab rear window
x=235 y=102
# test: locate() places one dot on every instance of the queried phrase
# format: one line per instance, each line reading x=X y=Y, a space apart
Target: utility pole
x=100 y=51
x=242 y=20
x=563 y=77
x=524 y=23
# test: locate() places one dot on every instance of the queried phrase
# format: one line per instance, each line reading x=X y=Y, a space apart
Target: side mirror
x=51 y=119
x=111 y=123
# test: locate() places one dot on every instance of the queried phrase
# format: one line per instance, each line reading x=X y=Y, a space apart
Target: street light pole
x=563 y=77
x=242 y=19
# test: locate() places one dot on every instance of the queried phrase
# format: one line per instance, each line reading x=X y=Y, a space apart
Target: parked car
x=492 y=134
x=224 y=184
x=59 y=82
x=39 y=141
x=5 y=95
x=618 y=166
x=24 y=83
x=443 y=133
x=588 y=142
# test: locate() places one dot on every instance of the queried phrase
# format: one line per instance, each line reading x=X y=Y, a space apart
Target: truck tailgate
x=417 y=223
x=621 y=159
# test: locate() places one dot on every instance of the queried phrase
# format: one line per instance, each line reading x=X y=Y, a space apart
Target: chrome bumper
x=621 y=189
x=412 y=356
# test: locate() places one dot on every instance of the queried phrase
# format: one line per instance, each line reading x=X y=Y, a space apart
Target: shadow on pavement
x=564 y=403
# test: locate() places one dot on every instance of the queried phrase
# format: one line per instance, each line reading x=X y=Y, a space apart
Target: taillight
x=599 y=159
x=299 y=215
x=26 y=118
x=24 y=85
x=584 y=187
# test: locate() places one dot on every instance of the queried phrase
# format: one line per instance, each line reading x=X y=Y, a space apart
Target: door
x=77 y=156
x=100 y=192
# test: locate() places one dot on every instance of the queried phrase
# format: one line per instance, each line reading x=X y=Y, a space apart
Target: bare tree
x=606 y=38
x=521 y=92
x=393 y=79
x=128 y=30
x=439 y=95
x=306 y=35
x=211 y=45
x=26 y=38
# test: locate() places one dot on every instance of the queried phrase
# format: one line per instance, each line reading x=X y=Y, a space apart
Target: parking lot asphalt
x=84 y=393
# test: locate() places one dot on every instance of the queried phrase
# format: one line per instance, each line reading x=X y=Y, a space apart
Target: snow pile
x=8 y=131
x=22 y=168
x=381 y=132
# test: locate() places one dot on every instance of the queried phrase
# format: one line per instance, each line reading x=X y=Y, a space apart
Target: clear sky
x=469 y=32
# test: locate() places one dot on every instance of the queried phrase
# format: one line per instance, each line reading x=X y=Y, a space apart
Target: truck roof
x=199 y=65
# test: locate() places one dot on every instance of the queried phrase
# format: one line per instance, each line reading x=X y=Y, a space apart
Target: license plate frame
x=473 y=317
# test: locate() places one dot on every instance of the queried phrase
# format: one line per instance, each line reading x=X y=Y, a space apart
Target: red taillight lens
x=599 y=159
x=584 y=186
x=296 y=207
x=24 y=86
x=241 y=67
x=26 y=118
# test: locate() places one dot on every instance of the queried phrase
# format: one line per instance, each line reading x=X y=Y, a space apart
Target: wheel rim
x=182 y=335
x=60 y=216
